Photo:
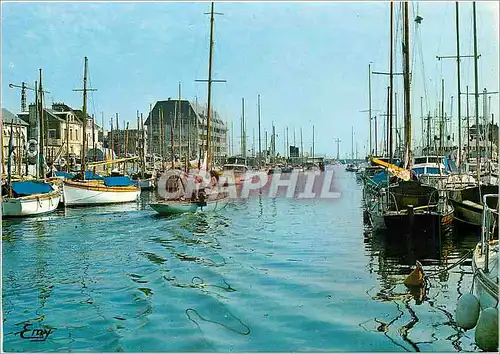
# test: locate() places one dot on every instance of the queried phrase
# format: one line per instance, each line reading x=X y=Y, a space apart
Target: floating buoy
x=416 y=278
x=487 y=330
x=467 y=311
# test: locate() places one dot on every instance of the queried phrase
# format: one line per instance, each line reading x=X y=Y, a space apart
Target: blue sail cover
x=379 y=178
x=118 y=181
x=89 y=175
x=64 y=174
x=24 y=188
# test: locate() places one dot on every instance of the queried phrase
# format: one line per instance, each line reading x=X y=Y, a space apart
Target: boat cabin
x=429 y=165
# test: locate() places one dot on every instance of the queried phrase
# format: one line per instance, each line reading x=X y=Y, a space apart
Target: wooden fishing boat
x=90 y=189
x=431 y=219
x=468 y=205
x=173 y=188
x=30 y=198
x=96 y=192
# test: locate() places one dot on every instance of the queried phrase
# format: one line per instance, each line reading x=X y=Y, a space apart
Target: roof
x=8 y=118
x=170 y=106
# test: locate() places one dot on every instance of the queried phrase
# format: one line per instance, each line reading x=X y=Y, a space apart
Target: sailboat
x=27 y=197
x=408 y=206
x=88 y=188
x=175 y=182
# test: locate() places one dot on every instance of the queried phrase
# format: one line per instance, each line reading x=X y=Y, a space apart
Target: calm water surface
x=266 y=275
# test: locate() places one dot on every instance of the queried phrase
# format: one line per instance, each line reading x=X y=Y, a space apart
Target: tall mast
x=458 y=82
x=441 y=125
x=142 y=153
x=117 y=139
x=189 y=133
x=243 y=132
x=352 y=144
x=85 y=118
x=406 y=53
x=42 y=128
x=288 y=144
x=197 y=135
x=301 y=147
x=150 y=129
x=93 y=137
x=391 y=87
x=112 y=144
x=260 y=146
x=209 y=108
x=370 y=109
x=467 y=118
x=313 y=142
x=178 y=118
x=476 y=92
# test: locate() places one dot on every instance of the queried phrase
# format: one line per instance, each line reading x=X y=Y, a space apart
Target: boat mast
x=260 y=146
x=406 y=54
x=143 y=148
x=352 y=144
x=476 y=97
x=458 y=82
x=209 y=98
x=243 y=133
x=391 y=87
x=370 y=108
x=178 y=118
x=312 y=145
x=42 y=128
x=85 y=117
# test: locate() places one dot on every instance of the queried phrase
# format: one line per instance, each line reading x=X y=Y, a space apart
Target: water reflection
x=393 y=257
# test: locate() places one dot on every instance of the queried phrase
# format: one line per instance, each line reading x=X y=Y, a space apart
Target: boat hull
x=82 y=193
x=485 y=288
x=432 y=223
x=180 y=207
x=468 y=204
x=30 y=205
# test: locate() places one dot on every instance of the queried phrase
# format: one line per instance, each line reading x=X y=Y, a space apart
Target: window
x=52 y=133
x=76 y=134
x=71 y=134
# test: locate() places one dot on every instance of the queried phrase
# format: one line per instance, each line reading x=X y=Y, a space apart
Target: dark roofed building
x=192 y=132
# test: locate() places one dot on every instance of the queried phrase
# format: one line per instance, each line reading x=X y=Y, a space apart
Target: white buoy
x=467 y=311
x=487 y=330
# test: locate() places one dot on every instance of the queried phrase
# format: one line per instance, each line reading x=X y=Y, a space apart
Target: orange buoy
x=416 y=277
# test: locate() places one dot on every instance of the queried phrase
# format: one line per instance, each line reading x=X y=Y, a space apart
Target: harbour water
x=267 y=274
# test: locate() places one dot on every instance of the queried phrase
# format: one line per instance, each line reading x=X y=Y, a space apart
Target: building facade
x=12 y=123
x=184 y=130
x=63 y=130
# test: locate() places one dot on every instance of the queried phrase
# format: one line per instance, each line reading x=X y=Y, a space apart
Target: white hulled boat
x=29 y=198
x=485 y=257
x=92 y=189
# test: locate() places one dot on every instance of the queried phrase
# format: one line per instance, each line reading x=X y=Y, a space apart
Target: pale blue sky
x=308 y=61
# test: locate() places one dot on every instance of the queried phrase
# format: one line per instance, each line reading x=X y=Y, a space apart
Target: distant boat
x=239 y=171
x=351 y=168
